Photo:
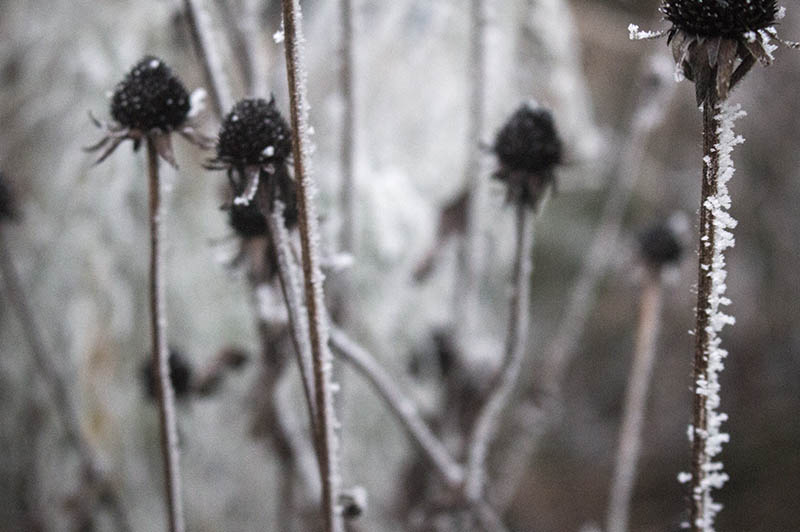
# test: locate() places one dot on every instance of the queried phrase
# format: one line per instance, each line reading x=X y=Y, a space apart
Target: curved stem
x=485 y=428
x=313 y=278
x=158 y=325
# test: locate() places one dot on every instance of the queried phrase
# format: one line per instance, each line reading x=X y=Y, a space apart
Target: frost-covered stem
x=649 y=114
x=630 y=437
x=488 y=519
x=400 y=404
x=202 y=31
x=158 y=331
x=292 y=295
x=312 y=275
x=715 y=238
x=56 y=384
x=348 y=127
x=487 y=421
x=466 y=300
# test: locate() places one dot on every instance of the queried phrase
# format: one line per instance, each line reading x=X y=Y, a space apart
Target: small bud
x=659 y=246
x=150 y=97
x=254 y=133
x=180 y=373
x=353 y=502
x=8 y=210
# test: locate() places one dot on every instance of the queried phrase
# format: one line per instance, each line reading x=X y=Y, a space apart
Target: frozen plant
x=714 y=45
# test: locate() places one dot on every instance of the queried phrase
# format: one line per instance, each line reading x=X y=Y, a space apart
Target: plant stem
x=313 y=278
x=487 y=421
x=158 y=325
x=348 y=137
x=400 y=404
x=57 y=387
x=201 y=30
x=630 y=438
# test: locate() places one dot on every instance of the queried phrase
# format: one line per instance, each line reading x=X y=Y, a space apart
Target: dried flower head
x=180 y=373
x=8 y=209
x=253 y=146
x=528 y=149
x=151 y=102
x=716 y=42
x=659 y=246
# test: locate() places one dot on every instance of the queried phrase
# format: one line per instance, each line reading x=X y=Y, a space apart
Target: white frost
x=635 y=34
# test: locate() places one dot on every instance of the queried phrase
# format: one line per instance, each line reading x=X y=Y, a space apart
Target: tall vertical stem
x=630 y=438
x=201 y=30
x=487 y=422
x=348 y=137
x=158 y=329
x=313 y=278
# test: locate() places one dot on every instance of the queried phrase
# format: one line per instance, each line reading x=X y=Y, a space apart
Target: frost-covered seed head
x=659 y=246
x=8 y=209
x=720 y=18
x=150 y=97
x=254 y=133
x=180 y=373
x=529 y=142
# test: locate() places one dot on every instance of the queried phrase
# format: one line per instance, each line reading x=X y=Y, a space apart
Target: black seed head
x=720 y=18
x=659 y=246
x=528 y=142
x=247 y=220
x=150 y=97
x=8 y=210
x=180 y=373
x=254 y=133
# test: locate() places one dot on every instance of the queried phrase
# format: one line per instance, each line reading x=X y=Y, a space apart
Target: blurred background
x=80 y=247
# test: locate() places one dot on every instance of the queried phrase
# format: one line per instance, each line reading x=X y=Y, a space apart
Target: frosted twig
x=470 y=253
x=57 y=387
x=202 y=31
x=630 y=438
x=293 y=296
x=160 y=353
x=313 y=278
x=486 y=424
x=715 y=237
x=400 y=404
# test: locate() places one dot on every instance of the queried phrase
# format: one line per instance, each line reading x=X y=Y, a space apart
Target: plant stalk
x=348 y=126
x=312 y=275
x=630 y=438
x=201 y=30
x=487 y=422
x=158 y=325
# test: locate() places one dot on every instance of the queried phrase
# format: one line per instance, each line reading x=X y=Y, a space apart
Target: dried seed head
x=150 y=97
x=247 y=220
x=8 y=210
x=180 y=373
x=254 y=133
x=528 y=149
x=659 y=246
x=720 y=18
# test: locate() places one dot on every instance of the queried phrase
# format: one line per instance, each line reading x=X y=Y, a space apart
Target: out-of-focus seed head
x=720 y=18
x=180 y=373
x=150 y=97
x=8 y=210
x=528 y=149
x=254 y=133
x=659 y=246
x=528 y=141
x=247 y=220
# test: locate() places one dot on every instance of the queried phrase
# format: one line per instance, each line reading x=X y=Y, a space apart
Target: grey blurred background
x=81 y=250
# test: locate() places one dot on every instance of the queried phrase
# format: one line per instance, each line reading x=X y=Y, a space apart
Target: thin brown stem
x=486 y=425
x=313 y=278
x=202 y=32
x=400 y=404
x=630 y=438
x=57 y=388
x=158 y=329
x=711 y=130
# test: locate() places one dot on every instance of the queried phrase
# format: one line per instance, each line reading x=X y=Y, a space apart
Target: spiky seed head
x=659 y=246
x=254 y=133
x=150 y=97
x=8 y=210
x=720 y=18
x=528 y=141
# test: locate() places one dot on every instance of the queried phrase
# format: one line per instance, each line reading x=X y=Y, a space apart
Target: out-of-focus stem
x=630 y=437
x=486 y=425
x=309 y=239
x=158 y=325
x=201 y=29
x=348 y=136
